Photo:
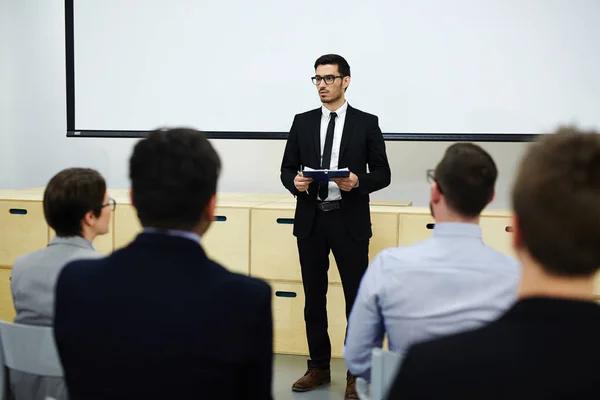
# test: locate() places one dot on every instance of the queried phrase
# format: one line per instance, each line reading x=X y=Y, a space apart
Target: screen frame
x=72 y=132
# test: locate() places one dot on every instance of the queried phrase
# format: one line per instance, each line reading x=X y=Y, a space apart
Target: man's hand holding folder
x=345 y=179
x=322 y=175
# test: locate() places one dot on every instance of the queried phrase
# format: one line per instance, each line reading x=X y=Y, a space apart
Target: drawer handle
x=508 y=229
x=289 y=221
x=280 y=293
x=220 y=218
x=18 y=211
x=430 y=226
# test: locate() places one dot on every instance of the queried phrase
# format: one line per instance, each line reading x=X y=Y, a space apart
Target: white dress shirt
x=449 y=283
x=334 y=190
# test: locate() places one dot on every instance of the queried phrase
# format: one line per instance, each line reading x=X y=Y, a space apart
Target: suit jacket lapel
x=315 y=128
x=347 y=132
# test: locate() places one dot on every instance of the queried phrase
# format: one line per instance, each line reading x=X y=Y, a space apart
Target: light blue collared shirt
x=448 y=283
x=173 y=232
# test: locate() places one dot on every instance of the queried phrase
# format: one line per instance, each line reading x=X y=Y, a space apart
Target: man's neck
x=535 y=282
x=333 y=106
x=449 y=216
x=88 y=234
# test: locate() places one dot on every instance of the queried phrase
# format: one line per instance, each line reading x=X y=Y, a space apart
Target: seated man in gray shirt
x=448 y=283
x=77 y=207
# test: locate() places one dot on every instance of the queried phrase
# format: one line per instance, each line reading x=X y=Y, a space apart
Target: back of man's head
x=556 y=201
x=69 y=196
x=174 y=174
x=466 y=176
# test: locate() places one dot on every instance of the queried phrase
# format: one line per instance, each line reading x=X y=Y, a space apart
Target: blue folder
x=323 y=175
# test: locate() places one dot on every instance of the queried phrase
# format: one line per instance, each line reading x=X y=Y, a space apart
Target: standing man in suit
x=332 y=216
x=546 y=345
x=158 y=319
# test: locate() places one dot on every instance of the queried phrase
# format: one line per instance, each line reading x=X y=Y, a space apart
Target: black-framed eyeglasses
x=112 y=203
x=329 y=79
x=430 y=175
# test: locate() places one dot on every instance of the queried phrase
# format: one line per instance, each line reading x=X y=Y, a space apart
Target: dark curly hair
x=466 y=175
x=556 y=199
x=173 y=174
x=69 y=196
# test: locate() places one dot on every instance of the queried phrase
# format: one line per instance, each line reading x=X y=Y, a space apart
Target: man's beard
x=332 y=100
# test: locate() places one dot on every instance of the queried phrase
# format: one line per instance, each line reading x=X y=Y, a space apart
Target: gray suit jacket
x=34 y=277
x=32 y=284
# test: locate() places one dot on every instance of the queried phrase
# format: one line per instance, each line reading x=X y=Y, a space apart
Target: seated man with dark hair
x=158 y=319
x=77 y=207
x=448 y=283
x=546 y=345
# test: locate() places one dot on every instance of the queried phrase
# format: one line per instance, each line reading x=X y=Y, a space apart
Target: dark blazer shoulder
x=307 y=114
x=362 y=114
x=252 y=287
x=84 y=266
x=446 y=349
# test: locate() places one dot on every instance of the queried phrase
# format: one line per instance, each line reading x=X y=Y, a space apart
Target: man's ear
x=209 y=211
x=517 y=235
x=492 y=197
x=346 y=82
x=89 y=219
x=435 y=195
x=131 y=197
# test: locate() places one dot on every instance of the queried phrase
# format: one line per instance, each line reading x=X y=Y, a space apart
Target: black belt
x=329 y=205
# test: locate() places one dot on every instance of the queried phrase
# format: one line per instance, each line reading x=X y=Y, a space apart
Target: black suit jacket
x=362 y=144
x=541 y=348
x=159 y=320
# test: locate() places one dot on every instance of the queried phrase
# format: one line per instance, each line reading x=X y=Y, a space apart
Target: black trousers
x=352 y=258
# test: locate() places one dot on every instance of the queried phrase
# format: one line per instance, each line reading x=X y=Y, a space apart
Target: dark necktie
x=324 y=186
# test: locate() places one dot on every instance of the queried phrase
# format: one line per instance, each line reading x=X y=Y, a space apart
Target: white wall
x=34 y=143
x=6 y=89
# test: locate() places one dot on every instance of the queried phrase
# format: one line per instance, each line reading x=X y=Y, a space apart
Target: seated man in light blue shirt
x=446 y=284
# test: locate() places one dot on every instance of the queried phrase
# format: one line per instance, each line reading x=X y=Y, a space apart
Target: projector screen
x=422 y=66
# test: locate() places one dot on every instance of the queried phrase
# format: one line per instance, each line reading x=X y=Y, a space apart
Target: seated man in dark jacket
x=546 y=346
x=158 y=319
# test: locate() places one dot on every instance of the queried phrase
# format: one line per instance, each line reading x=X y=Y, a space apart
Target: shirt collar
x=78 y=241
x=454 y=229
x=340 y=111
x=175 y=232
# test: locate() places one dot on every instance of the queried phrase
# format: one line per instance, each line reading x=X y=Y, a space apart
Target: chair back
x=384 y=366
x=29 y=349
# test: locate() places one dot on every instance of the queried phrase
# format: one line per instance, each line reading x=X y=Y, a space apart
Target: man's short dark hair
x=334 y=59
x=466 y=175
x=556 y=198
x=71 y=194
x=173 y=174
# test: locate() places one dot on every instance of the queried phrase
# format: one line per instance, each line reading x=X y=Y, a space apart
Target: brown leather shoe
x=312 y=378
x=351 y=388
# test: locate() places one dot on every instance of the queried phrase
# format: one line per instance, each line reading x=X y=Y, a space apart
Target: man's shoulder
x=317 y=112
x=25 y=260
x=500 y=258
x=50 y=256
x=442 y=365
x=362 y=114
x=246 y=285
x=404 y=256
x=89 y=263
x=477 y=344
x=307 y=114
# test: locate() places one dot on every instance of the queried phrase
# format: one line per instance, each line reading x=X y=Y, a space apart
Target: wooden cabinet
x=7 y=309
x=24 y=229
x=289 y=332
x=416 y=224
x=274 y=251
